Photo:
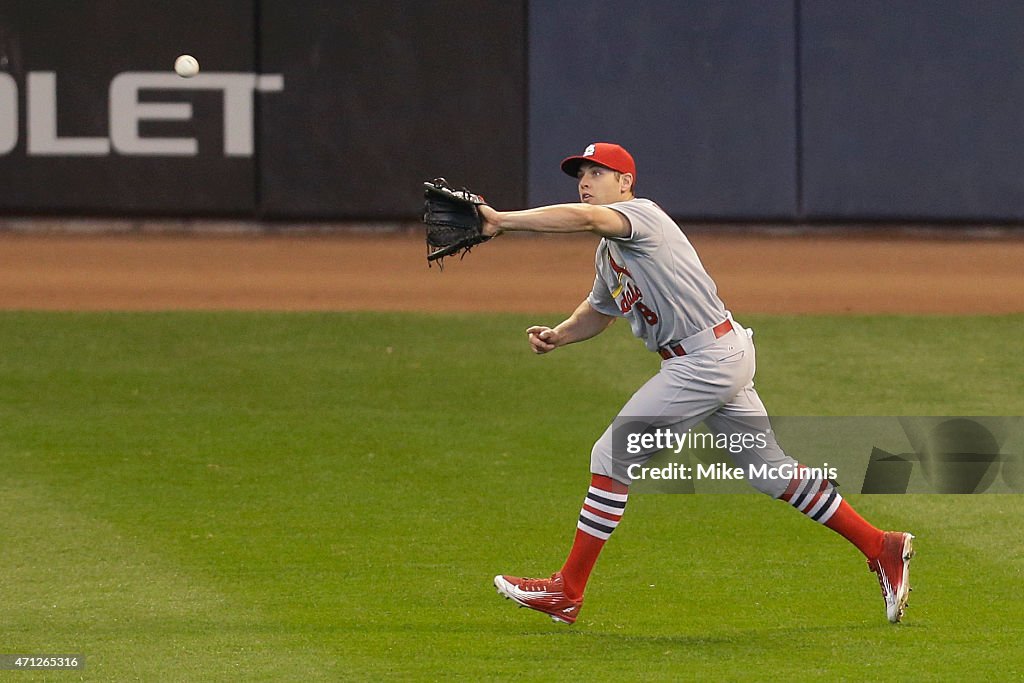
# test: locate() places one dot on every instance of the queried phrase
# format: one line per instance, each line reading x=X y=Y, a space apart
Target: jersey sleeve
x=645 y=234
x=600 y=299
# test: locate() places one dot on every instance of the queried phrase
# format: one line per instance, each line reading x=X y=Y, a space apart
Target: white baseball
x=186 y=66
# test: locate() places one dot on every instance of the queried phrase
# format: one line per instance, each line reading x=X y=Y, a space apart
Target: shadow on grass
x=740 y=637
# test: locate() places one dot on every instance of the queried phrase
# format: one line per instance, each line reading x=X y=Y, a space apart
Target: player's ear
x=626 y=182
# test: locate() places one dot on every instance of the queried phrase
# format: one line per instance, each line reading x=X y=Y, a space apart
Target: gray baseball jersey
x=655 y=278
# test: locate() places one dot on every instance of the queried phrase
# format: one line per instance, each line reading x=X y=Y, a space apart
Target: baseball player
x=648 y=273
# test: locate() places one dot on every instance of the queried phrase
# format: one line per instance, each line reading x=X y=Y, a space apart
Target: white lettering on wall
x=127 y=111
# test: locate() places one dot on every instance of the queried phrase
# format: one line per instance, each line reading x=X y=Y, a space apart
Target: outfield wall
x=790 y=110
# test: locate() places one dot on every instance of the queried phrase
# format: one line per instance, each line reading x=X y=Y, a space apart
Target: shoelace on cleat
x=536 y=585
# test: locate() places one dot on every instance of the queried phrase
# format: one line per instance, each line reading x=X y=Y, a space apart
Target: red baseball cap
x=605 y=153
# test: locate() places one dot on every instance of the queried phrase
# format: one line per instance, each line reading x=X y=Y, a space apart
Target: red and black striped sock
x=819 y=499
x=602 y=510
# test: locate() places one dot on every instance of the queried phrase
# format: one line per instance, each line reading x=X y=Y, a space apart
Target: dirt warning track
x=756 y=273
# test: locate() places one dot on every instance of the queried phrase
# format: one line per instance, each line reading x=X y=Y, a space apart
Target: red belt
x=721 y=329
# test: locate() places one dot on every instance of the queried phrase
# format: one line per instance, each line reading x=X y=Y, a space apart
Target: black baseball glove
x=452 y=219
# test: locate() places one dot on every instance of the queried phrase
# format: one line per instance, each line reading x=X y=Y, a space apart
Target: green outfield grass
x=211 y=496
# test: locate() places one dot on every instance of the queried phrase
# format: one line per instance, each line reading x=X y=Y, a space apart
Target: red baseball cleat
x=893 y=569
x=544 y=595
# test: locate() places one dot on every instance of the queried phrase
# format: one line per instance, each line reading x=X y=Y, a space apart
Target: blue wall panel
x=912 y=110
x=787 y=110
x=702 y=94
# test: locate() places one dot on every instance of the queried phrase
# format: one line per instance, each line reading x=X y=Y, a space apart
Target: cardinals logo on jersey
x=630 y=293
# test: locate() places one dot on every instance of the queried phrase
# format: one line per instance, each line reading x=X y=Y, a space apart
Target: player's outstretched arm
x=583 y=324
x=594 y=218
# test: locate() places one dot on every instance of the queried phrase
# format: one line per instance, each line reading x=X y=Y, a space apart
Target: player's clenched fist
x=542 y=339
